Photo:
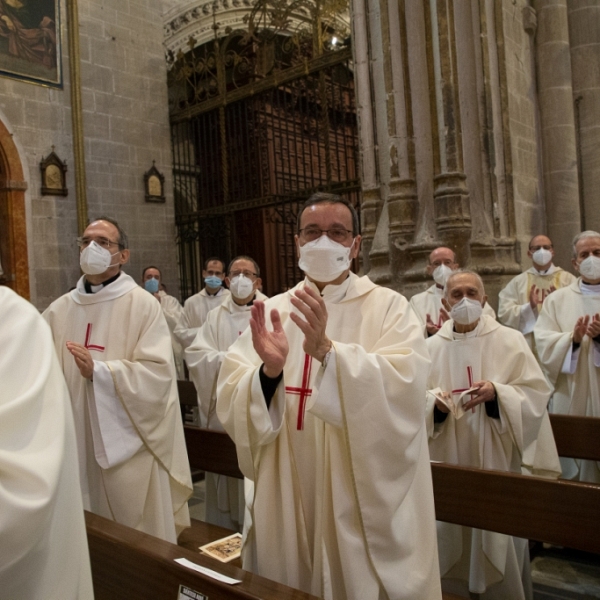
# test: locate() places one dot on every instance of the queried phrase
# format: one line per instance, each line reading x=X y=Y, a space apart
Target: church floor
x=557 y=574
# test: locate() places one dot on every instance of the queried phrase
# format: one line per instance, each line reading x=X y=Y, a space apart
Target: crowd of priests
x=337 y=394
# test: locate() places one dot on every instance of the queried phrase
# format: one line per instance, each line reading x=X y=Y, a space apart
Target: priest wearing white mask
x=322 y=397
x=224 y=495
x=567 y=337
x=520 y=302
x=428 y=304
x=196 y=307
x=43 y=544
x=171 y=308
x=114 y=347
x=486 y=408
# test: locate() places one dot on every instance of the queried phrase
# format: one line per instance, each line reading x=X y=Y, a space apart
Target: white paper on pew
x=184 y=562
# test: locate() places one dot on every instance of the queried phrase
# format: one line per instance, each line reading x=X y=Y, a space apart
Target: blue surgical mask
x=213 y=281
x=151 y=285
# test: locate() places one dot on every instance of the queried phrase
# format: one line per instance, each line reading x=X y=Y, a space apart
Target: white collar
x=123 y=284
x=333 y=293
x=589 y=290
x=549 y=271
x=469 y=334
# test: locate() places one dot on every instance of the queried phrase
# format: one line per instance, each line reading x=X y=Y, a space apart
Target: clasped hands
x=586 y=326
x=272 y=346
x=484 y=392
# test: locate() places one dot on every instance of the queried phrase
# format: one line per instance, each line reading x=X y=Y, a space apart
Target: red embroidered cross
x=88 y=336
x=470 y=376
x=304 y=391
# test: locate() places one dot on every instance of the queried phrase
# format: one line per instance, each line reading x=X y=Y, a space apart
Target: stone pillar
x=451 y=195
x=557 y=125
x=584 y=35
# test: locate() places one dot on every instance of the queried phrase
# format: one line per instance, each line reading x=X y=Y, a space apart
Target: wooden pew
x=576 y=437
x=130 y=565
x=559 y=512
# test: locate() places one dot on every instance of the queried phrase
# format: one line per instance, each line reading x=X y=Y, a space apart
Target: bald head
x=541 y=252
x=441 y=256
x=464 y=283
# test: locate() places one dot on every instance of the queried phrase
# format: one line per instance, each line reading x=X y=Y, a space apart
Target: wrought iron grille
x=247 y=156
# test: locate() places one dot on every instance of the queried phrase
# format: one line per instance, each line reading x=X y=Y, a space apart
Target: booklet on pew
x=454 y=406
x=225 y=549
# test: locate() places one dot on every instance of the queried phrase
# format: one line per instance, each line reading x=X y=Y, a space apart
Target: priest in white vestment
x=197 y=307
x=520 y=302
x=172 y=310
x=114 y=347
x=428 y=304
x=224 y=496
x=486 y=408
x=567 y=337
x=43 y=544
x=322 y=397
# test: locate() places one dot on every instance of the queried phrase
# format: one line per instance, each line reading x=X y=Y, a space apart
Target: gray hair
x=582 y=236
x=464 y=272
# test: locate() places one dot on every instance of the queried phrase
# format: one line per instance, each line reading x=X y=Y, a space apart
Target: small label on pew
x=185 y=593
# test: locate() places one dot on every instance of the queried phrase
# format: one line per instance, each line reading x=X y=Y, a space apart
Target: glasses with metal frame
x=84 y=242
x=248 y=274
x=337 y=234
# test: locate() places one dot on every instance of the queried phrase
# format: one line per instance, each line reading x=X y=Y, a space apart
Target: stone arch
x=13 y=227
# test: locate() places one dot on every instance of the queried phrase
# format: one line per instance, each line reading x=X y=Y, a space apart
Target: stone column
x=584 y=34
x=557 y=125
x=451 y=195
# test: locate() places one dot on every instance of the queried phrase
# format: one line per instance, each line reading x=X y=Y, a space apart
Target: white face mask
x=94 y=259
x=590 y=268
x=241 y=286
x=466 y=311
x=441 y=274
x=323 y=259
x=542 y=257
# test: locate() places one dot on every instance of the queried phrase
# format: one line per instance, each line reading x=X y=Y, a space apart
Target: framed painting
x=30 y=41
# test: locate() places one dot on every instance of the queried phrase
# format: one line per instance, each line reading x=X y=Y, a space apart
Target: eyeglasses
x=337 y=234
x=536 y=248
x=248 y=274
x=83 y=242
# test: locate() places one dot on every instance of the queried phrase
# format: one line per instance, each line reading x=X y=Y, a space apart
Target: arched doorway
x=13 y=230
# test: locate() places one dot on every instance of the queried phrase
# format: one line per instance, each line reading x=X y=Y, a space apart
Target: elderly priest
x=323 y=398
x=43 y=546
x=223 y=326
x=567 y=337
x=114 y=347
x=486 y=408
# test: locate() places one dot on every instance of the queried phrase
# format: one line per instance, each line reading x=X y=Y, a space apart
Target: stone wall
x=125 y=128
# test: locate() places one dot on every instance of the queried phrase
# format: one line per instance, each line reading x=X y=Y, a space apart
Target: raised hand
x=271 y=346
x=431 y=327
x=580 y=329
x=312 y=306
x=594 y=327
x=83 y=359
x=533 y=297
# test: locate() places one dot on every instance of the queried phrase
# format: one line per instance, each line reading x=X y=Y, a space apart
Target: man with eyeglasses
x=223 y=325
x=324 y=398
x=196 y=307
x=114 y=347
x=520 y=302
x=567 y=337
x=428 y=304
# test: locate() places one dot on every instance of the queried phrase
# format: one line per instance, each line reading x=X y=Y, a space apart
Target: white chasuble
x=172 y=311
x=343 y=504
x=43 y=543
x=429 y=302
x=223 y=325
x=520 y=441
x=133 y=462
x=574 y=374
x=195 y=311
x=514 y=309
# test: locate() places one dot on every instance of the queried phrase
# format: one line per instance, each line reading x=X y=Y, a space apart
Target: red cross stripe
x=303 y=391
x=470 y=376
x=88 y=336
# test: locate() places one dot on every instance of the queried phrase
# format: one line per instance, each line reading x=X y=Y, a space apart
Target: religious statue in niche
x=154 y=185
x=54 y=173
